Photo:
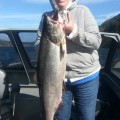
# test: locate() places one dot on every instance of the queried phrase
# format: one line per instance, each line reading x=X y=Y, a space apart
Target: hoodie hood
x=72 y=3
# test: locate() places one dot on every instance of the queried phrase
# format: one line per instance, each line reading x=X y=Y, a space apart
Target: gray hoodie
x=82 y=43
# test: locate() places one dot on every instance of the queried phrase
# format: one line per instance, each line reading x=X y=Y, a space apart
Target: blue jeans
x=84 y=96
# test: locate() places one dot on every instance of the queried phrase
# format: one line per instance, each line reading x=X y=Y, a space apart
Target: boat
x=19 y=95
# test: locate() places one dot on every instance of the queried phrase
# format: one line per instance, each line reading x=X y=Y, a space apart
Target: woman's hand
x=68 y=26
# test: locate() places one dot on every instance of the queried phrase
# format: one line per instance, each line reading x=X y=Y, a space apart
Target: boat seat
x=5 y=102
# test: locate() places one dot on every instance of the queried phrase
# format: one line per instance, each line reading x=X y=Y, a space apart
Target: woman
x=82 y=72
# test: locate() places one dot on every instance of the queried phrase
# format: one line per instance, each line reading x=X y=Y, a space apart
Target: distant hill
x=5 y=43
x=8 y=43
x=112 y=25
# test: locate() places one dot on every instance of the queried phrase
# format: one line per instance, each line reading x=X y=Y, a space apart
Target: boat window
x=103 y=50
x=8 y=54
x=28 y=39
x=115 y=67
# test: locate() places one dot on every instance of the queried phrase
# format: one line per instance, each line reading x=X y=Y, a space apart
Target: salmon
x=51 y=65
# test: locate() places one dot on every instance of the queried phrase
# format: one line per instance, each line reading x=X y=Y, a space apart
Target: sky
x=27 y=13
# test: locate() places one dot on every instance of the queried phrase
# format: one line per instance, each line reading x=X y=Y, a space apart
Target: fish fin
x=42 y=114
x=60 y=105
x=35 y=78
x=40 y=87
x=62 y=48
x=64 y=87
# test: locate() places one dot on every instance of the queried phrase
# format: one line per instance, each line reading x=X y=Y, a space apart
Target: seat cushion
x=2 y=85
x=5 y=112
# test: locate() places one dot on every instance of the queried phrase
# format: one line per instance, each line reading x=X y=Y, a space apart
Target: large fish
x=51 y=65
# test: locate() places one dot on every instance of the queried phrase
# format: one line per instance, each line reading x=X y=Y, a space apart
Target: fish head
x=53 y=27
